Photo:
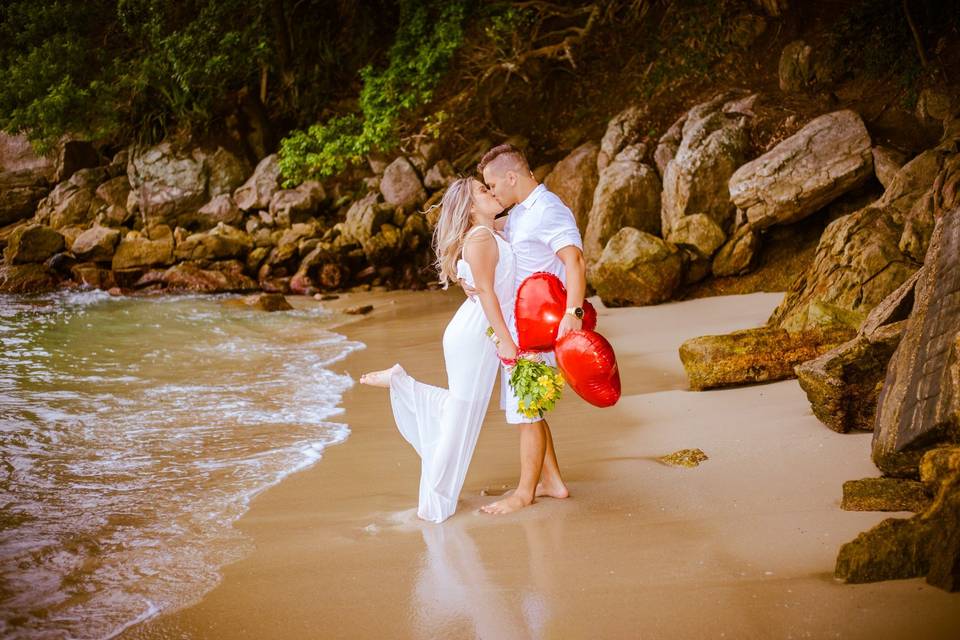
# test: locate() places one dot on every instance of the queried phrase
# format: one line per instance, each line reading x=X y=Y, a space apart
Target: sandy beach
x=742 y=546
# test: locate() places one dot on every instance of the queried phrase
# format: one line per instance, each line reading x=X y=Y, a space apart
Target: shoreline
x=741 y=546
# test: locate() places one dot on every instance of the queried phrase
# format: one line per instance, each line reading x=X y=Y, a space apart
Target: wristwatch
x=577 y=312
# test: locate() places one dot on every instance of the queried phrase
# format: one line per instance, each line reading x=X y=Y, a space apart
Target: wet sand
x=742 y=546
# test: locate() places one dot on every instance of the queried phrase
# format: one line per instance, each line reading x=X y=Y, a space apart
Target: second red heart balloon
x=541 y=303
x=589 y=365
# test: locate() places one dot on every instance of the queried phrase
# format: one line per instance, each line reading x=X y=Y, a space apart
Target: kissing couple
x=489 y=255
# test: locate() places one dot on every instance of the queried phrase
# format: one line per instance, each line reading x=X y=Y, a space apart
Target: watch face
x=579 y=313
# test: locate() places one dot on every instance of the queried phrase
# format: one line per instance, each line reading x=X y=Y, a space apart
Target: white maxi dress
x=443 y=424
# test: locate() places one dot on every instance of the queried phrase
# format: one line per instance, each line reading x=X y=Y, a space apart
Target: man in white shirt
x=543 y=233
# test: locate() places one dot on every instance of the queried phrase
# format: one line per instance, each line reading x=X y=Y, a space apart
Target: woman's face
x=484 y=202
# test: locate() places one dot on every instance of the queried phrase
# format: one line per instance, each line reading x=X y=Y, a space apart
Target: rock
x=745 y=29
x=66 y=205
x=136 y=250
x=540 y=172
x=221 y=277
x=828 y=157
x=268 y=302
x=26 y=278
x=623 y=129
x=796 y=66
x=886 y=163
x=627 y=195
x=818 y=313
x=259 y=188
x=415 y=232
x=884 y=494
x=115 y=191
x=220 y=210
x=439 y=176
x=359 y=310
x=384 y=246
x=226 y=172
x=401 y=186
x=90 y=274
x=928 y=544
x=894 y=308
x=699 y=233
x=933 y=106
x=255 y=258
x=842 y=385
x=737 y=254
x=20 y=192
x=574 y=180
x=167 y=181
x=223 y=241
x=688 y=458
x=714 y=144
x=636 y=268
x=919 y=405
x=937 y=465
x=290 y=206
x=668 y=144
x=773 y=8
x=32 y=243
x=764 y=354
x=96 y=244
x=89 y=178
x=17 y=154
x=920 y=219
x=73 y=155
x=364 y=218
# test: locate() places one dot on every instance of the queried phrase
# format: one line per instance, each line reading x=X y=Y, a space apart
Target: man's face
x=500 y=186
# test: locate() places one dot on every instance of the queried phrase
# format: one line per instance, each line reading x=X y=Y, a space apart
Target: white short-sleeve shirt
x=536 y=229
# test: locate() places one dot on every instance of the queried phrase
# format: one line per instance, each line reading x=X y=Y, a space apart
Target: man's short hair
x=505 y=151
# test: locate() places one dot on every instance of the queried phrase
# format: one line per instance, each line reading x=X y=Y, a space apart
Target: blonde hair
x=451 y=227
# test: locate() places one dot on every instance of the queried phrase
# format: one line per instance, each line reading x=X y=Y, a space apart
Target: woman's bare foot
x=511 y=503
x=379 y=378
x=552 y=489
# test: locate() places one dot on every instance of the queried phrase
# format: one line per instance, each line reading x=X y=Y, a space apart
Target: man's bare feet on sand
x=379 y=378
x=509 y=504
x=552 y=489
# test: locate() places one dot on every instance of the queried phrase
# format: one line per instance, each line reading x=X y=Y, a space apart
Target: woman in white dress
x=443 y=424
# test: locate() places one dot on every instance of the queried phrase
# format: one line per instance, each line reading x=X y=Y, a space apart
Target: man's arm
x=576 y=272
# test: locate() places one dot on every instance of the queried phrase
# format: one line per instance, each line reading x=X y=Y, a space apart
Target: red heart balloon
x=540 y=305
x=589 y=366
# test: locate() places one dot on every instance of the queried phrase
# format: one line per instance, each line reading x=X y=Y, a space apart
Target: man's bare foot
x=511 y=503
x=552 y=489
x=379 y=378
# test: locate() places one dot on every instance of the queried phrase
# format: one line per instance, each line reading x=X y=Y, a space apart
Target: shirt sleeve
x=560 y=228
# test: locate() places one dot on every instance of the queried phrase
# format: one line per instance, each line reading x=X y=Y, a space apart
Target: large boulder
x=764 y=354
x=698 y=233
x=383 y=246
x=32 y=243
x=96 y=244
x=364 y=218
x=886 y=163
x=26 y=278
x=17 y=154
x=66 y=205
x=221 y=209
x=199 y=277
x=167 y=181
x=627 y=195
x=73 y=155
x=828 y=157
x=439 y=175
x=259 y=188
x=20 y=192
x=919 y=405
x=401 y=186
x=796 y=66
x=624 y=129
x=226 y=171
x=737 y=254
x=144 y=250
x=714 y=144
x=636 y=268
x=114 y=193
x=574 y=180
x=290 y=206
x=223 y=241
x=668 y=144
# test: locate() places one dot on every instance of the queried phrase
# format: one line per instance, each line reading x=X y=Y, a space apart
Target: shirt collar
x=529 y=201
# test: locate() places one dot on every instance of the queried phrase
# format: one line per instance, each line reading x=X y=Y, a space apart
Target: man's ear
x=512 y=177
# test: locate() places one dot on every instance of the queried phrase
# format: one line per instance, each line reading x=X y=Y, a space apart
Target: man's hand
x=569 y=322
x=467 y=289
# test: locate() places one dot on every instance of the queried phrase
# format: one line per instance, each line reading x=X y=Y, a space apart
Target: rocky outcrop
x=20 y=192
x=202 y=277
x=290 y=206
x=714 y=144
x=96 y=244
x=842 y=385
x=627 y=195
x=764 y=354
x=66 y=205
x=167 y=182
x=919 y=405
x=223 y=241
x=828 y=157
x=574 y=179
x=32 y=243
x=259 y=188
x=636 y=268
x=401 y=186
x=139 y=250
x=926 y=545
x=27 y=278
x=884 y=494
x=624 y=129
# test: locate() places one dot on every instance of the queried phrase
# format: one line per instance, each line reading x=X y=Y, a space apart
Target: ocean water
x=133 y=434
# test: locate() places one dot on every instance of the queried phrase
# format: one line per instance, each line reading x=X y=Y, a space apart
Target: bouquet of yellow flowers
x=537 y=385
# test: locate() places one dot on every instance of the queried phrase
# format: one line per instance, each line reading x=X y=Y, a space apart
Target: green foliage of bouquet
x=536 y=384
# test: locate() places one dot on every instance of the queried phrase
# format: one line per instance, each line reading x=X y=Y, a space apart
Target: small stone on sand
x=684 y=458
x=360 y=310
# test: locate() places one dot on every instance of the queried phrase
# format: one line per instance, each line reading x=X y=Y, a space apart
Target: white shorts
x=509 y=402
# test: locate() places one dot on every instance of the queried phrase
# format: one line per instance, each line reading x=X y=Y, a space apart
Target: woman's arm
x=482 y=254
